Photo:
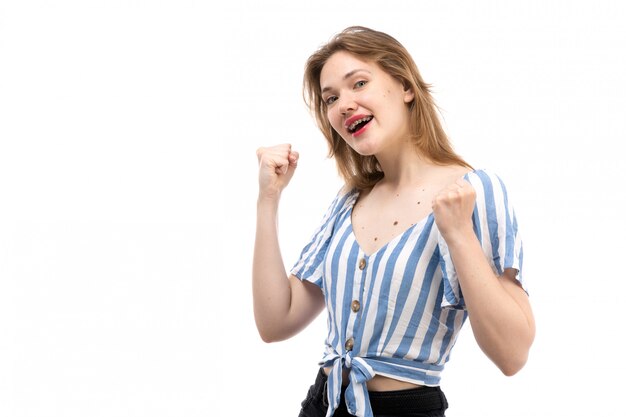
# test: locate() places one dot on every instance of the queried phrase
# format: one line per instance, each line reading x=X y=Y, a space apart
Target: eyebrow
x=345 y=77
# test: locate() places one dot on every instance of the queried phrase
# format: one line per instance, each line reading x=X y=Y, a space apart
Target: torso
x=383 y=213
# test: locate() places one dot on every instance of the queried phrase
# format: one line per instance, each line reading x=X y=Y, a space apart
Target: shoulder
x=346 y=190
x=346 y=193
x=443 y=175
x=490 y=188
x=484 y=177
x=344 y=198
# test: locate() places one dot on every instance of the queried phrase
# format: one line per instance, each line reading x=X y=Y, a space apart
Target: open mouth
x=359 y=124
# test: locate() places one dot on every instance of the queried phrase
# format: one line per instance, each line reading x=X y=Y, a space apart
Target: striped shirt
x=398 y=311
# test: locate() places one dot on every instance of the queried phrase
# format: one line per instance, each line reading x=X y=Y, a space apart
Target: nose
x=347 y=105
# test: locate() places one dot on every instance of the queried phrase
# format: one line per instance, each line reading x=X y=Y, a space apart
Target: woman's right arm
x=282 y=306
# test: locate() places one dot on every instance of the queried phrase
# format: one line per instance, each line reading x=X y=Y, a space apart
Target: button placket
x=355 y=304
x=362 y=264
x=349 y=344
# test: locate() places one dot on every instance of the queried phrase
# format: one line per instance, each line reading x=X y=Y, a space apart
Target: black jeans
x=418 y=402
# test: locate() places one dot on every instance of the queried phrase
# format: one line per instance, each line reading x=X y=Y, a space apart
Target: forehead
x=342 y=63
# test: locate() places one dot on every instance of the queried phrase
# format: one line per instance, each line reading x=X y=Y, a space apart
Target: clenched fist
x=453 y=207
x=276 y=167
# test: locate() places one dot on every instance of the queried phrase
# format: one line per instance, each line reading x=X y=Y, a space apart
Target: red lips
x=354 y=119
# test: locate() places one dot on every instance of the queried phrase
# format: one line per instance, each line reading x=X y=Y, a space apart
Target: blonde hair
x=427 y=134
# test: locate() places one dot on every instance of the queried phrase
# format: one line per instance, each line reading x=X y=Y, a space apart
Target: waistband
x=421 y=399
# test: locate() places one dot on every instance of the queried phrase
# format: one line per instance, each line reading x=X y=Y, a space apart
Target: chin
x=369 y=151
x=362 y=149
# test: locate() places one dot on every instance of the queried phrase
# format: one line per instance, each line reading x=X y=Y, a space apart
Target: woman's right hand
x=276 y=167
x=282 y=307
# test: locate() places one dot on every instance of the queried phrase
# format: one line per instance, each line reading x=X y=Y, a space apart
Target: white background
x=128 y=132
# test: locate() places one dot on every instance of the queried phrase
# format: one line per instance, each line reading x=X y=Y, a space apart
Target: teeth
x=353 y=126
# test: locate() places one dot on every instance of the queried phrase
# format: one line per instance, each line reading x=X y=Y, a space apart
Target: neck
x=403 y=167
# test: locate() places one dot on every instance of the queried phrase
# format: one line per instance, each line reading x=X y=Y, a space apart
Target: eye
x=360 y=84
x=330 y=100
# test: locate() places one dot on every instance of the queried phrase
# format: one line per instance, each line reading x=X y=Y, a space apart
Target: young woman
x=412 y=245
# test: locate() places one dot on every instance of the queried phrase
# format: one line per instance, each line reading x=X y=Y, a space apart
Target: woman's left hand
x=453 y=207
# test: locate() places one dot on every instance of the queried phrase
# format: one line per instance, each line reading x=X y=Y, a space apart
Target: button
x=356 y=306
x=362 y=264
x=349 y=344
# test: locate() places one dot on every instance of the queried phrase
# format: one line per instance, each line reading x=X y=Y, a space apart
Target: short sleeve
x=310 y=265
x=496 y=228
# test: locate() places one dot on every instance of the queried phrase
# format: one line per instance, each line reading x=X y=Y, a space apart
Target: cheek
x=334 y=118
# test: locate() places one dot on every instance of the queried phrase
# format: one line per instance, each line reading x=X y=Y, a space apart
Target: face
x=364 y=104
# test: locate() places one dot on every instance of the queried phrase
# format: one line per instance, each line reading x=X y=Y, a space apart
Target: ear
x=409 y=95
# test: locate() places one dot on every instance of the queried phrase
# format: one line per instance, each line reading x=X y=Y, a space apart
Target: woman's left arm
x=498 y=307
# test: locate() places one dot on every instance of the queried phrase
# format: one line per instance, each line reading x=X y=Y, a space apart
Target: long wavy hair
x=427 y=134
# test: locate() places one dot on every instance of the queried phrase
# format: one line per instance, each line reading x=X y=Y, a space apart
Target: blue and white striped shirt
x=398 y=311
